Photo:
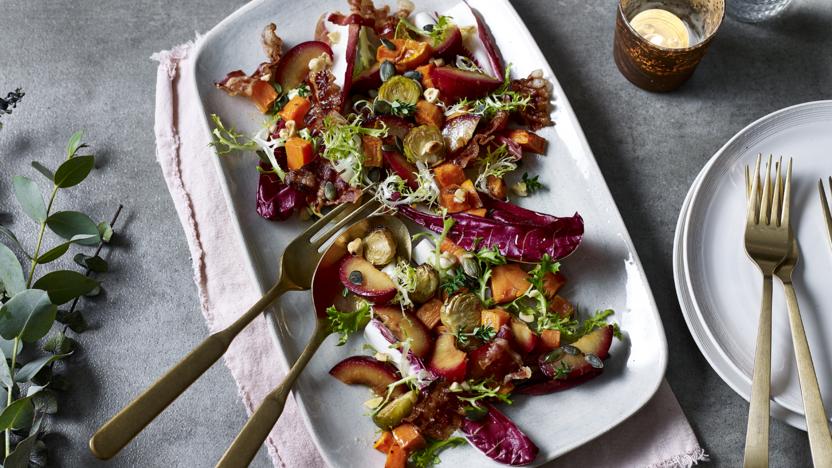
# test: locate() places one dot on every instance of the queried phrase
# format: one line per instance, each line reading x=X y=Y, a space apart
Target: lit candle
x=662 y=28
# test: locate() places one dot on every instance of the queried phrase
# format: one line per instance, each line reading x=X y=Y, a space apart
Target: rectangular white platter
x=605 y=272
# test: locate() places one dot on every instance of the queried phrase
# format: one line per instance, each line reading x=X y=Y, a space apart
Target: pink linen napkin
x=657 y=436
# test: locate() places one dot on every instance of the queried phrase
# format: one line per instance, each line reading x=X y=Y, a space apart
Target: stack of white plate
x=719 y=288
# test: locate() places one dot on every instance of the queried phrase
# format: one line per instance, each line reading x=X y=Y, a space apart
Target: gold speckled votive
x=659 y=43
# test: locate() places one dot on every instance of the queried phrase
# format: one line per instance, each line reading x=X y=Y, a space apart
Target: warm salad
x=419 y=111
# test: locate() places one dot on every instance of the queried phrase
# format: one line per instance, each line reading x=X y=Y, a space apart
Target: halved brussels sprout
x=402 y=89
x=461 y=312
x=379 y=246
x=427 y=280
x=392 y=414
x=425 y=143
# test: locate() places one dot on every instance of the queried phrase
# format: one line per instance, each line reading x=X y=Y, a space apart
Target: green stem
x=10 y=393
x=40 y=239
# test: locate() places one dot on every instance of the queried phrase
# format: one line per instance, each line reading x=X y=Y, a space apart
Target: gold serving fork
x=766 y=243
x=297 y=265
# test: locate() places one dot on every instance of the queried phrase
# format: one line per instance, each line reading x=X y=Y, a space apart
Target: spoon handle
x=125 y=425
x=260 y=424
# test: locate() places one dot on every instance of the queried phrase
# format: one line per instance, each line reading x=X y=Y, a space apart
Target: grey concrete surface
x=85 y=65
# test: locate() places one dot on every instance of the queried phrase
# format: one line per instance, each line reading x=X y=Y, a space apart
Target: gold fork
x=766 y=243
x=297 y=265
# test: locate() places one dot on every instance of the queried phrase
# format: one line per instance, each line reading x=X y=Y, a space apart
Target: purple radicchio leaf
x=499 y=438
x=519 y=234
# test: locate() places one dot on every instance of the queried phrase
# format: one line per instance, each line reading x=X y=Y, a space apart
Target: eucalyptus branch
x=88 y=270
x=29 y=303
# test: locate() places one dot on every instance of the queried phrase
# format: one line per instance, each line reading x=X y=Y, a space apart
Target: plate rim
x=588 y=158
x=731 y=374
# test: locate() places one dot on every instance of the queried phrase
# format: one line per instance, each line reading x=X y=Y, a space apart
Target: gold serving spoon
x=296 y=272
x=325 y=287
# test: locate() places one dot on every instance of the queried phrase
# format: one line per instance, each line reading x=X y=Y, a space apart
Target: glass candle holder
x=659 y=43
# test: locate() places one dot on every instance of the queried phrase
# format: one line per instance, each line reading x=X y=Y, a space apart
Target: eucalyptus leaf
x=34 y=390
x=60 y=344
x=53 y=254
x=105 y=231
x=17 y=415
x=72 y=223
x=43 y=170
x=73 y=171
x=74 y=143
x=19 y=458
x=59 y=250
x=7 y=346
x=95 y=292
x=25 y=373
x=65 y=285
x=9 y=234
x=11 y=272
x=29 y=315
x=29 y=197
x=74 y=320
x=94 y=263
x=5 y=371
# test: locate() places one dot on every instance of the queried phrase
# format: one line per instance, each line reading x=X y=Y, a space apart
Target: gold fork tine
x=765 y=205
x=753 y=199
x=327 y=218
x=776 y=215
x=824 y=205
x=787 y=195
x=827 y=214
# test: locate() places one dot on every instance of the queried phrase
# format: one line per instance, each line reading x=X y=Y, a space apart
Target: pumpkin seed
x=571 y=350
x=356 y=277
x=594 y=361
x=388 y=44
x=428 y=27
x=387 y=70
x=413 y=75
x=374 y=174
x=329 y=191
x=380 y=106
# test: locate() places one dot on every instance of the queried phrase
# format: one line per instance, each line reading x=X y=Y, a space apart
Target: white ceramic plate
x=604 y=272
x=719 y=288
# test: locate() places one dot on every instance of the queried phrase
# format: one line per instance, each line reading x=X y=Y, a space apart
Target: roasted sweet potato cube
x=263 y=94
x=552 y=282
x=396 y=457
x=496 y=187
x=550 y=339
x=508 y=282
x=429 y=114
x=494 y=318
x=384 y=442
x=448 y=174
x=299 y=152
x=472 y=196
x=428 y=312
x=425 y=71
x=450 y=246
x=372 y=150
x=455 y=199
x=561 y=306
x=527 y=140
x=296 y=110
x=407 y=437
